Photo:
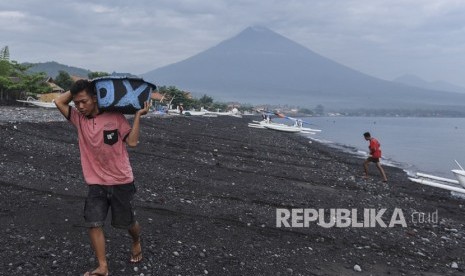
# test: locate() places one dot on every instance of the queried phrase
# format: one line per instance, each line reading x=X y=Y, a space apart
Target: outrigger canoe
x=455 y=185
x=39 y=103
x=282 y=127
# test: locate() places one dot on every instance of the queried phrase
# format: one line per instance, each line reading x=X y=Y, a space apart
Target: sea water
x=428 y=145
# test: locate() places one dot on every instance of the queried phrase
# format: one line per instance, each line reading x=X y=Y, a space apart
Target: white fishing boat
x=209 y=115
x=296 y=128
x=275 y=126
x=299 y=124
x=455 y=185
x=193 y=113
x=233 y=113
x=307 y=129
x=254 y=125
x=282 y=127
x=38 y=103
x=261 y=124
x=202 y=112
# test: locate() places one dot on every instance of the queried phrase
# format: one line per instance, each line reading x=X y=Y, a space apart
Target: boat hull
x=39 y=103
x=460 y=175
x=283 y=128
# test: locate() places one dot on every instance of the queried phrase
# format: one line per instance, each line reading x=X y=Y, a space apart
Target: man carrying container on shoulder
x=103 y=137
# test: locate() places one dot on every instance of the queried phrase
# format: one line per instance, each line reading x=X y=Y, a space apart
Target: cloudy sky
x=383 y=38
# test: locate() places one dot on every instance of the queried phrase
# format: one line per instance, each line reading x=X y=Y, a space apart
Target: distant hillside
x=52 y=69
x=261 y=66
x=413 y=80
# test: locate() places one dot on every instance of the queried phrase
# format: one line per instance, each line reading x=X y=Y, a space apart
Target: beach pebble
x=357 y=268
x=176 y=253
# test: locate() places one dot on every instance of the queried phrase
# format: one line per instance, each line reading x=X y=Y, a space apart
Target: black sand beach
x=208 y=190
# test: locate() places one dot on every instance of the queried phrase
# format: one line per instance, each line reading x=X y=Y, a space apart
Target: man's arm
x=62 y=103
x=133 y=137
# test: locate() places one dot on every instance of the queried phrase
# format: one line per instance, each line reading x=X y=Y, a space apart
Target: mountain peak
x=257 y=29
x=259 y=65
x=260 y=39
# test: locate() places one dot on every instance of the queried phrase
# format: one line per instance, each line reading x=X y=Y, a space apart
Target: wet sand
x=208 y=191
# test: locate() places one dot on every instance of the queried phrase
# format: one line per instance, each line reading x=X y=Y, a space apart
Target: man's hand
x=62 y=103
x=146 y=108
x=133 y=137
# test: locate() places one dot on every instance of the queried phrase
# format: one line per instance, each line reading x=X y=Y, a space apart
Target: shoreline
x=362 y=155
x=414 y=144
x=209 y=190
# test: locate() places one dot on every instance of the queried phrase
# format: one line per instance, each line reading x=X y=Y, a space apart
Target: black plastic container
x=122 y=94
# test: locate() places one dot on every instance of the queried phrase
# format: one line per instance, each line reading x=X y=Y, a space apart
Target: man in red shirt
x=103 y=137
x=375 y=155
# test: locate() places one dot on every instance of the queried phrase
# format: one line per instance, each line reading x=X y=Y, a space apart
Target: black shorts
x=372 y=159
x=117 y=197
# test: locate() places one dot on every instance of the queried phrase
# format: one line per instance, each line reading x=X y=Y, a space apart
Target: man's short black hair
x=81 y=85
x=367 y=134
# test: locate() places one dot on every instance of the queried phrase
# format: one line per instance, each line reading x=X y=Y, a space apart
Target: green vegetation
x=173 y=95
x=306 y=111
x=319 y=110
x=52 y=69
x=93 y=75
x=246 y=107
x=64 y=80
x=17 y=81
x=14 y=81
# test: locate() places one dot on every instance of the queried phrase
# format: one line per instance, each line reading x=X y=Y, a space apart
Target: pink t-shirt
x=104 y=157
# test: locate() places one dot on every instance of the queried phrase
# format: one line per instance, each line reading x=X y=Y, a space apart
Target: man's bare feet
x=97 y=272
x=136 y=252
